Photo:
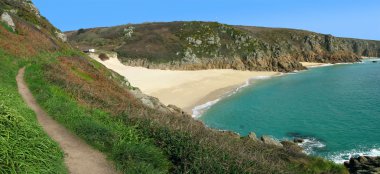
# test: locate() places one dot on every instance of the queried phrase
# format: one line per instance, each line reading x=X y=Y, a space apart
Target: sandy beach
x=313 y=64
x=185 y=89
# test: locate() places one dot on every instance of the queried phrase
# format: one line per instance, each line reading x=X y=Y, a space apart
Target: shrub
x=103 y=56
x=80 y=31
x=139 y=158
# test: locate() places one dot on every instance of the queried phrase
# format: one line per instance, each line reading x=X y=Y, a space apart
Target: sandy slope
x=185 y=89
x=79 y=157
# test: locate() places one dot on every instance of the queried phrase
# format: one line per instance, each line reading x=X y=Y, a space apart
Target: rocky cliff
x=364 y=165
x=206 y=45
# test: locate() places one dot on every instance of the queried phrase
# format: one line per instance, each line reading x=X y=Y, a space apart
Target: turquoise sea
x=336 y=109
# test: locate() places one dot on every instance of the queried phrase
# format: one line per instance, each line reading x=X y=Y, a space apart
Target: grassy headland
x=97 y=105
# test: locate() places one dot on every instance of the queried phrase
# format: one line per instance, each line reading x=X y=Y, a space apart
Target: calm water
x=336 y=108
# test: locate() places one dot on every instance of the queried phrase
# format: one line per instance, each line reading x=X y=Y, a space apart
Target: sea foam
x=310 y=145
x=341 y=157
x=200 y=109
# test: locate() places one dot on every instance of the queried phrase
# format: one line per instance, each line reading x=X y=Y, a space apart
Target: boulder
x=270 y=141
x=253 y=136
x=291 y=146
x=298 y=140
x=363 y=164
x=61 y=36
x=149 y=101
x=5 y=17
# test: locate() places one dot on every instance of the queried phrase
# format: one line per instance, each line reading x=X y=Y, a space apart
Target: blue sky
x=345 y=18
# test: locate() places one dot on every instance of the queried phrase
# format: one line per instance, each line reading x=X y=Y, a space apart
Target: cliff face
x=205 y=45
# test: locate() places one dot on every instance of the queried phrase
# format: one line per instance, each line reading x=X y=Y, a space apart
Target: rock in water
x=5 y=17
x=364 y=165
x=270 y=141
x=298 y=140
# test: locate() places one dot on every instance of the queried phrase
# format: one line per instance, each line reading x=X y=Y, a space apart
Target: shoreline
x=190 y=87
x=185 y=89
x=214 y=97
x=217 y=95
x=192 y=91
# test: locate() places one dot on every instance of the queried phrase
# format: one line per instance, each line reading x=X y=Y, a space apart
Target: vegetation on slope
x=24 y=147
x=97 y=105
x=132 y=152
x=109 y=110
x=206 y=45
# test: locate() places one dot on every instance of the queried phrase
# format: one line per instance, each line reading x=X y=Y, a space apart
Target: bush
x=139 y=158
x=80 y=31
x=95 y=133
x=103 y=56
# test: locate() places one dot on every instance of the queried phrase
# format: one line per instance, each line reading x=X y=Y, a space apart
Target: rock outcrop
x=6 y=18
x=364 y=165
x=253 y=136
x=207 y=45
x=155 y=103
x=298 y=140
x=61 y=36
x=149 y=101
x=270 y=141
x=288 y=145
x=291 y=146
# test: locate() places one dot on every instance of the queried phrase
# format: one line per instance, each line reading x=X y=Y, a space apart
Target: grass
x=131 y=151
x=7 y=27
x=82 y=75
x=93 y=111
x=24 y=147
x=96 y=104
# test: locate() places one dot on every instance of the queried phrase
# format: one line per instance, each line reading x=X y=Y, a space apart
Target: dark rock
x=374 y=61
x=347 y=164
x=363 y=164
x=298 y=140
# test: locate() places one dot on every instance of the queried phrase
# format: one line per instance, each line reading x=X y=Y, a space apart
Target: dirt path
x=80 y=158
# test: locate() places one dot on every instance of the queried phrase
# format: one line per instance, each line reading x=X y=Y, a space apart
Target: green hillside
x=97 y=105
x=207 y=45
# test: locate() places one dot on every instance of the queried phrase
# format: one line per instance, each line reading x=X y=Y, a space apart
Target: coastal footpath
x=133 y=130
